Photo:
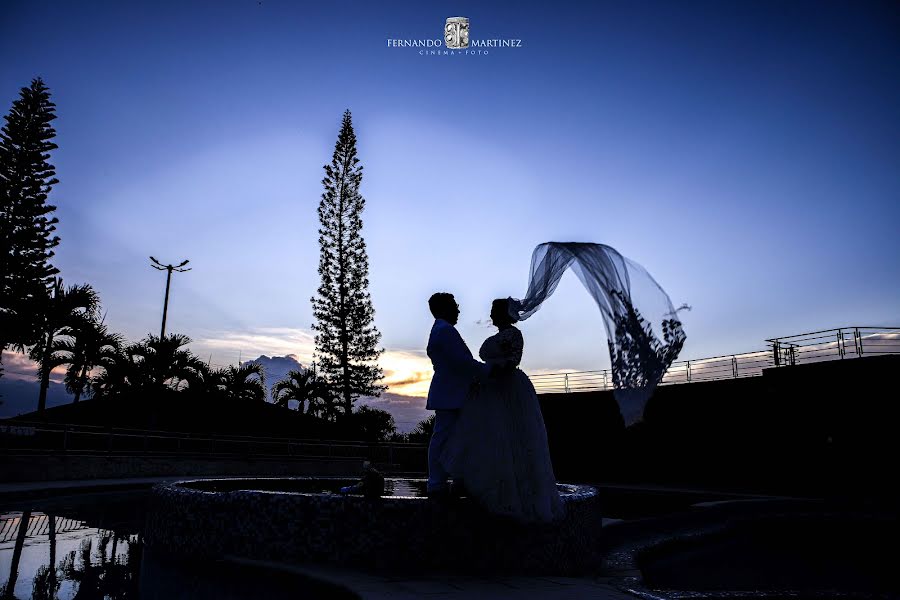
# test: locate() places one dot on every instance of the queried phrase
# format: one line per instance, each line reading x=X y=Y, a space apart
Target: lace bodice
x=503 y=348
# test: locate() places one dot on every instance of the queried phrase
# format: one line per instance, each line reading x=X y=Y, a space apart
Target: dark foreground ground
x=660 y=542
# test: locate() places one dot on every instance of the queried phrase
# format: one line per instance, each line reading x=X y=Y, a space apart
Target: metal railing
x=730 y=366
x=829 y=344
x=53 y=438
x=38 y=524
x=834 y=344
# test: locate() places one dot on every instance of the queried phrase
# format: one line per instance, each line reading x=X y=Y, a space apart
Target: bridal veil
x=643 y=331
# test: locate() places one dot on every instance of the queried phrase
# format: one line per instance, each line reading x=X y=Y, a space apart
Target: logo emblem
x=456 y=32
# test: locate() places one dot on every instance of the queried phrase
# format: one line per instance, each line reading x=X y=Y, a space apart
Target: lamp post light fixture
x=169 y=268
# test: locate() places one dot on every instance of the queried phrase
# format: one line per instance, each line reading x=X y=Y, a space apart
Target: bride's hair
x=502 y=305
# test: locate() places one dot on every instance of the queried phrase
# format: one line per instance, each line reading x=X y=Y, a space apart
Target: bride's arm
x=503 y=352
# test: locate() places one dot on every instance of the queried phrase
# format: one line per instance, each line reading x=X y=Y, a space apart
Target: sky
x=744 y=152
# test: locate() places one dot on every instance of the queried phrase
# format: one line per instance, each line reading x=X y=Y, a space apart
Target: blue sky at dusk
x=746 y=153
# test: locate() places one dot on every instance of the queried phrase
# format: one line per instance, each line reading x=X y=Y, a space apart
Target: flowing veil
x=642 y=328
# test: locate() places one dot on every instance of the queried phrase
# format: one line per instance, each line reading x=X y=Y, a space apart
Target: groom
x=454 y=373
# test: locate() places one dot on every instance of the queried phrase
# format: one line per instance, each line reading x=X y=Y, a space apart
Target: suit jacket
x=454 y=367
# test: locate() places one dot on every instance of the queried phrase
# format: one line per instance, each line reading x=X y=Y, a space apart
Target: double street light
x=169 y=268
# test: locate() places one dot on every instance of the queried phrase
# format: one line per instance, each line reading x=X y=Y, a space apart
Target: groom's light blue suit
x=454 y=372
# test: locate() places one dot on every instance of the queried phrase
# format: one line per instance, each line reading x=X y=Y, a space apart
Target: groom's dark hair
x=440 y=304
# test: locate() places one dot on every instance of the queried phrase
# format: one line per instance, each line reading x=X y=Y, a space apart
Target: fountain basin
x=303 y=520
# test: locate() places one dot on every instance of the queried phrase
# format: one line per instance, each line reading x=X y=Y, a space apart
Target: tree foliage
x=93 y=347
x=26 y=227
x=372 y=424
x=64 y=310
x=244 y=383
x=421 y=434
x=346 y=337
x=154 y=364
x=312 y=393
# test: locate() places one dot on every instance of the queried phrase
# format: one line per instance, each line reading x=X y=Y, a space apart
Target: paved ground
x=456 y=587
x=40 y=486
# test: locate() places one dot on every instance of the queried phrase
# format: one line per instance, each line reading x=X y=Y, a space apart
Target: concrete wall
x=831 y=427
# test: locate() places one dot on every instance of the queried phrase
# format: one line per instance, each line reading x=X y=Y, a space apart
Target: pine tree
x=346 y=337
x=26 y=229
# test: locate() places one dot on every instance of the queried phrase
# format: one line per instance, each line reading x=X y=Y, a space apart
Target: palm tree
x=162 y=362
x=93 y=346
x=326 y=403
x=245 y=383
x=422 y=432
x=120 y=369
x=65 y=307
x=204 y=381
x=153 y=363
x=300 y=385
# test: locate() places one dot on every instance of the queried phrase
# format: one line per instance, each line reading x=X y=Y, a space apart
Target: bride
x=499 y=445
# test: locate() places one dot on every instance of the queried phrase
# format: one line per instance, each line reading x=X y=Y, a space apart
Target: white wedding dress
x=499 y=444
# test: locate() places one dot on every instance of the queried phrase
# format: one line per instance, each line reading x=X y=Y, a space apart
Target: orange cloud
x=18 y=366
x=406 y=373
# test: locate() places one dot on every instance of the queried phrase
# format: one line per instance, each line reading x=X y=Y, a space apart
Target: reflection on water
x=90 y=546
x=404 y=487
x=45 y=556
x=72 y=546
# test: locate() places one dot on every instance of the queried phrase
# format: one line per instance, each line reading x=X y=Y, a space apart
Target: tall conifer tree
x=26 y=227
x=346 y=337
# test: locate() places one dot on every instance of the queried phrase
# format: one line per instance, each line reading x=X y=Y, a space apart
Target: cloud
x=407 y=373
x=276 y=368
x=227 y=347
x=414 y=378
x=407 y=411
x=21 y=368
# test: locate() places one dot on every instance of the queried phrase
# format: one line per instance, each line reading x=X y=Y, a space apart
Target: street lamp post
x=168 y=268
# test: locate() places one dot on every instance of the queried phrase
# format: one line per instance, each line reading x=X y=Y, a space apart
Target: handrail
x=183 y=435
x=833 y=329
x=38 y=524
x=76 y=440
x=847 y=342
x=829 y=344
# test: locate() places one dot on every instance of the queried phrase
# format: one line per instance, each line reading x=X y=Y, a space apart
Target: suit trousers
x=444 y=422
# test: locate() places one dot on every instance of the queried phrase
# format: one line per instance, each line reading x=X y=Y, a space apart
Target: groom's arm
x=457 y=355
